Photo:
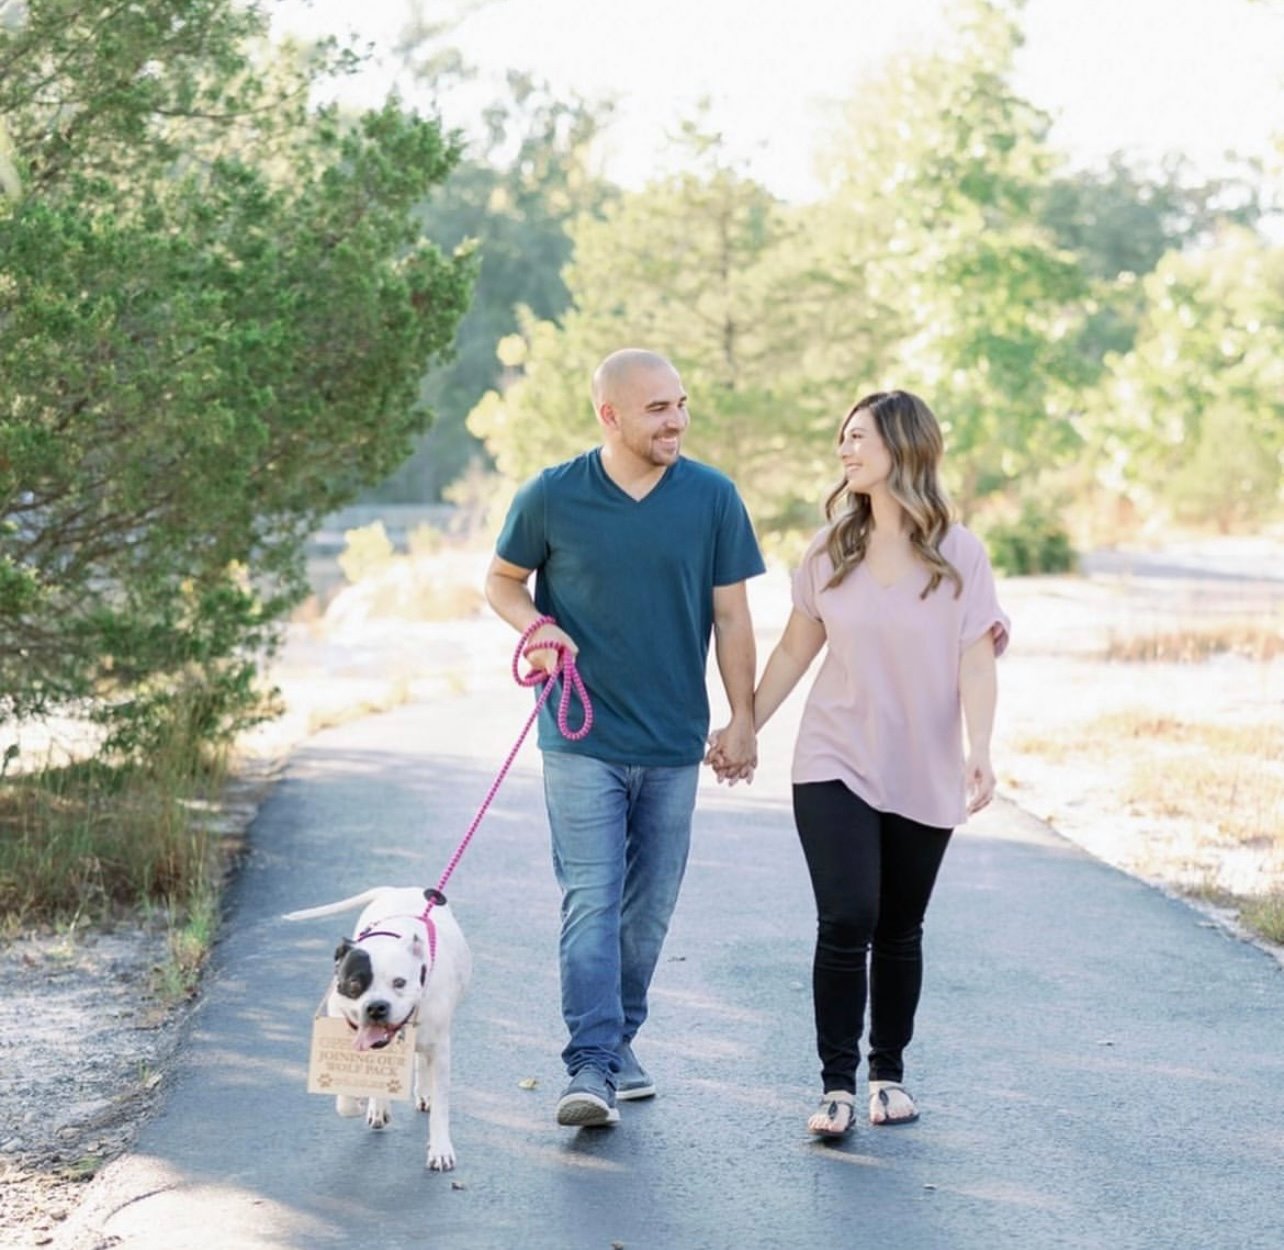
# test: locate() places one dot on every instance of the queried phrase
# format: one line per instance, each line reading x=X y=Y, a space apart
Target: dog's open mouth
x=375 y=1036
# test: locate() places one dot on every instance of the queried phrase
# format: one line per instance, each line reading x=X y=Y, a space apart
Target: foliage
x=366 y=550
x=945 y=164
x=707 y=268
x=1033 y=542
x=1192 y=419
x=215 y=306
x=1121 y=221
x=956 y=255
x=927 y=268
x=511 y=198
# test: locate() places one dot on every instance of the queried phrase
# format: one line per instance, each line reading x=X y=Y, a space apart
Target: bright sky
x=1147 y=76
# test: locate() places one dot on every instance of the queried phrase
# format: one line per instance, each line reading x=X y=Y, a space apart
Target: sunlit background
x=1152 y=77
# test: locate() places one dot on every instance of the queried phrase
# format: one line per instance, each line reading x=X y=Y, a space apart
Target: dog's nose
x=377 y=1011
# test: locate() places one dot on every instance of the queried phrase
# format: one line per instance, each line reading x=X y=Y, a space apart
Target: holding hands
x=733 y=751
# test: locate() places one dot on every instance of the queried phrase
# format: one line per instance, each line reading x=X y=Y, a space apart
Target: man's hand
x=547 y=657
x=733 y=751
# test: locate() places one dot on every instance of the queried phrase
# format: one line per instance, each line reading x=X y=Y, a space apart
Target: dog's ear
x=342 y=949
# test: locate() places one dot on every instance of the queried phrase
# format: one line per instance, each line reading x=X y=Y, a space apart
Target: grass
x=1235 y=796
x=1223 y=782
x=1255 y=640
x=396 y=693
x=90 y=842
x=1265 y=916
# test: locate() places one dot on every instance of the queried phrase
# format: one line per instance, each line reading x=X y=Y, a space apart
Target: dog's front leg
x=441 y=1151
x=423 y=1081
x=378 y=1113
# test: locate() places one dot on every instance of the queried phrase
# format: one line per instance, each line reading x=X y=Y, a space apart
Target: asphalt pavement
x=1096 y=1064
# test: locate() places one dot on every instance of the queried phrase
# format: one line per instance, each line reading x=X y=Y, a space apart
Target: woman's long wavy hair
x=912 y=435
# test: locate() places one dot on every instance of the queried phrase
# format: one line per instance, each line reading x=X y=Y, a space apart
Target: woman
x=906 y=603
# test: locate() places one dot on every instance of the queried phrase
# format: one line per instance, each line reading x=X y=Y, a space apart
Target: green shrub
x=216 y=308
x=1034 y=542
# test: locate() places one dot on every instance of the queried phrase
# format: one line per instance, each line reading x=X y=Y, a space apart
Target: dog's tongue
x=371 y=1035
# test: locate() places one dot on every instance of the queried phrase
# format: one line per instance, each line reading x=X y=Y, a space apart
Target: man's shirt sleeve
x=523 y=541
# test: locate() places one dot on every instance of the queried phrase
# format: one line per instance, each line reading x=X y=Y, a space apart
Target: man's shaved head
x=613 y=373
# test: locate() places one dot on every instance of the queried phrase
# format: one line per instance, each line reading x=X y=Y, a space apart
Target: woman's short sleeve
x=812 y=572
x=981 y=611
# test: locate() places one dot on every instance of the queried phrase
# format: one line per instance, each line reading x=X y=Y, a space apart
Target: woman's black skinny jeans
x=872 y=874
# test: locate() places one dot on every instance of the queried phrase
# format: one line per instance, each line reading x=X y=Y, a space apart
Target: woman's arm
x=978 y=689
x=798 y=647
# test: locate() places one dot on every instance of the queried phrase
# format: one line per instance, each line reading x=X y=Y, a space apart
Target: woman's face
x=866 y=461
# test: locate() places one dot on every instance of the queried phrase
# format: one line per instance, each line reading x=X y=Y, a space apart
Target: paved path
x=1097 y=1066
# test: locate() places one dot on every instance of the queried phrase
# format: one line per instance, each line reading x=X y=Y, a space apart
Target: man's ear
x=607 y=416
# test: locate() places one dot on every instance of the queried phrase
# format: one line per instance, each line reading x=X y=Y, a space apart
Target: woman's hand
x=978 y=775
x=733 y=751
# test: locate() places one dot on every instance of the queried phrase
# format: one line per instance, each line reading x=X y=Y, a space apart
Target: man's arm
x=508 y=592
x=737 y=656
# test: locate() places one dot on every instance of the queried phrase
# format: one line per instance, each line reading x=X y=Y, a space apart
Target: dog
x=402 y=959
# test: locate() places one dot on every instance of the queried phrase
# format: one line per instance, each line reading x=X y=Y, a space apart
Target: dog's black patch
x=354 y=974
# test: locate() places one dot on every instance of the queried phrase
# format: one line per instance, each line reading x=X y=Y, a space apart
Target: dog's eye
x=399 y=983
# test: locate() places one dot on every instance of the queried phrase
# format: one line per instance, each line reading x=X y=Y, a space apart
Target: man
x=639 y=554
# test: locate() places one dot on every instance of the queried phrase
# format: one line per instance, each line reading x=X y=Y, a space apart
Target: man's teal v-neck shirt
x=631 y=581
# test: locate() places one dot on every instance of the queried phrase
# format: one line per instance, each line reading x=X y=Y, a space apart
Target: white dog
x=398 y=962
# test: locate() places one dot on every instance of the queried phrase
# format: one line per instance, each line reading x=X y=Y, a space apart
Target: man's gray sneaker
x=588 y=1101
x=632 y=1080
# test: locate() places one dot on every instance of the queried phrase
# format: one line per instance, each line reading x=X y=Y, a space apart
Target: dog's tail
x=333 y=909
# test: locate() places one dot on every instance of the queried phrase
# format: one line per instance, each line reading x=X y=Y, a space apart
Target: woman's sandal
x=836 y=1116
x=886 y=1107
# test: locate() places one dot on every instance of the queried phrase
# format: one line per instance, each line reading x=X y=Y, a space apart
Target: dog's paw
x=441 y=1157
x=347 y=1106
x=423 y=1102
x=378 y=1114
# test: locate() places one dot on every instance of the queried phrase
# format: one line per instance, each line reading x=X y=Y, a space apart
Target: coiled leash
x=572 y=684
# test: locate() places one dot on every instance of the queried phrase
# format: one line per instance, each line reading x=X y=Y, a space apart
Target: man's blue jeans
x=620 y=839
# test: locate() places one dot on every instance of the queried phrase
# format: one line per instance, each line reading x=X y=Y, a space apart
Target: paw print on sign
x=325 y=1080
x=394 y=1086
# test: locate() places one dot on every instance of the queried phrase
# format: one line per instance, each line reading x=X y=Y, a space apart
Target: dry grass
x=1250 y=740
x=1222 y=783
x=396 y=693
x=91 y=842
x=85 y=839
x=1255 y=640
x=1235 y=800
x=1265 y=916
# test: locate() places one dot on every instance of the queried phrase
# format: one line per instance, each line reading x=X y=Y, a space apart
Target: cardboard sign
x=335 y=1066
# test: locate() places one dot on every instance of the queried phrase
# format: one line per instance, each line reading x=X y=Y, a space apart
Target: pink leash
x=571 y=683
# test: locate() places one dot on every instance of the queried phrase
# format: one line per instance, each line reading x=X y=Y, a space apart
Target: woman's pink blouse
x=884 y=715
